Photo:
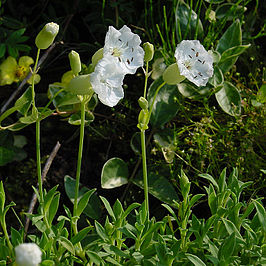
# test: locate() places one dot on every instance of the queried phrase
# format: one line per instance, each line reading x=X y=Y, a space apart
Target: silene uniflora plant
x=235 y=232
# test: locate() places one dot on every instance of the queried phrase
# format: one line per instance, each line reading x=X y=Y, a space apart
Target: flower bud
x=47 y=35
x=149 y=51
x=143 y=119
x=172 y=76
x=74 y=60
x=80 y=85
x=143 y=103
x=28 y=254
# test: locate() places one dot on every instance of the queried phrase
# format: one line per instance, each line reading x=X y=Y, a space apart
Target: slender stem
x=145 y=173
x=3 y=224
x=38 y=156
x=146 y=79
x=81 y=137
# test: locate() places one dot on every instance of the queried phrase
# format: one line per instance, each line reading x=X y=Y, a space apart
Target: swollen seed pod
x=75 y=63
x=149 y=51
x=80 y=85
x=172 y=76
x=47 y=35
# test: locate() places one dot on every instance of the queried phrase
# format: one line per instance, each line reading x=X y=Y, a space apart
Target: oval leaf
x=229 y=99
x=114 y=173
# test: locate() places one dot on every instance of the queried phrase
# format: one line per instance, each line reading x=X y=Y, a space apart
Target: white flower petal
x=28 y=254
x=124 y=47
x=194 y=62
x=107 y=80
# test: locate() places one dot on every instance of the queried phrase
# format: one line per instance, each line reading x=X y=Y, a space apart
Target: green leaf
x=187 y=22
x=63 y=98
x=24 y=102
x=114 y=173
x=108 y=207
x=93 y=209
x=211 y=179
x=261 y=214
x=119 y=252
x=191 y=91
x=230 y=11
x=16 y=237
x=229 y=99
x=159 y=187
x=94 y=257
x=195 y=199
x=29 y=119
x=66 y=244
x=227 y=248
x=217 y=78
x=6 y=155
x=49 y=197
x=230 y=56
x=53 y=208
x=83 y=202
x=75 y=119
x=101 y=231
x=231 y=228
x=232 y=37
x=195 y=260
x=165 y=106
x=81 y=235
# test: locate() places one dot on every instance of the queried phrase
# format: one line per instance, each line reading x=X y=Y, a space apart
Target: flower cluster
x=122 y=54
x=28 y=254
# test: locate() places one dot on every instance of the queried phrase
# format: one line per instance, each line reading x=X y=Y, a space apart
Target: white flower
x=124 y=47
x=194 y=62
x=107 y=80
x=28 y=254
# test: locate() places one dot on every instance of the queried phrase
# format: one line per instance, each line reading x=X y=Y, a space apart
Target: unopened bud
x=80 y=85
x=47 y=35
x=149 y=51
x=143 y=119
x=75 y=63
x=172 y=76
x=143 y=103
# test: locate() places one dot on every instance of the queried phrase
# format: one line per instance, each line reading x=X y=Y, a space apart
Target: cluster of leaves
x=233 y=234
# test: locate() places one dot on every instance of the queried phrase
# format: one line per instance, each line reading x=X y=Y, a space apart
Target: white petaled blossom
x=107 y=80
x=194 y=62
x=28 y=254
x=124 y=47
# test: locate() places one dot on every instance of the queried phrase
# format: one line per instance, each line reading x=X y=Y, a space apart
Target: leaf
x=75 y=119
x=230 y=56
x=229 y=99
x=93 y=208
x=191 y=91
x=165 y=106
x=24 y=102
x=83 y=202
x=261 y=214
x=94 y=257
x=211 y=179
x=81 y=235
x=230 y=11
x=187 y=22
x=6 y=155
x=159 y=187
x=66 y=244
x=114 y=173
x=2 y=49
x=53 y=208
x=195 y=260
x=232 y=37
x=101 y=231
x=261 y=94
x=217 y=78
x=227 y=248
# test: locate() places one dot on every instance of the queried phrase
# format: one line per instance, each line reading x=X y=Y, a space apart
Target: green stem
x=146 y=79
x=81 y=137
x=145 y=173
x=38 y=156
x=3 y=224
